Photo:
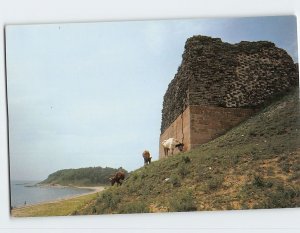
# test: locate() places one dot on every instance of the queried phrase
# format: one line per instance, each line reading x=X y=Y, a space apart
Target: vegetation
x=183 y=201
x=91 y=176
x=57 y=208
x=254 y=165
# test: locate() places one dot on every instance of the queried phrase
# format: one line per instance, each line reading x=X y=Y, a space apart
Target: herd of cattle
x=168 y=145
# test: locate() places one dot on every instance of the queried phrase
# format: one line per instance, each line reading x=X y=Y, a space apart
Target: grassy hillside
x=91 y=176
x=254 y=165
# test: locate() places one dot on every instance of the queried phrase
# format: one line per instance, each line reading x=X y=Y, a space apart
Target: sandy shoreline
x=94 y=189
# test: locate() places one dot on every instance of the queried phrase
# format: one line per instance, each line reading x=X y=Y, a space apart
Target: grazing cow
x=147 y=157
x=117 y=178
x=171 y=144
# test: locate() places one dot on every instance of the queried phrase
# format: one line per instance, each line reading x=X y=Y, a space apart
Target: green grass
x=254 y=165
x=183 y=201
x=58 y=208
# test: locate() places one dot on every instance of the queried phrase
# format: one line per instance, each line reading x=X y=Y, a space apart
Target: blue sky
x=90 y=94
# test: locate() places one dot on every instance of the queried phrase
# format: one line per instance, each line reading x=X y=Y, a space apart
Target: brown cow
x=117 y=178
x=147 y=157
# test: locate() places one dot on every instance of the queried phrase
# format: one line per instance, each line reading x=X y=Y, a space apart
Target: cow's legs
x=166 y=151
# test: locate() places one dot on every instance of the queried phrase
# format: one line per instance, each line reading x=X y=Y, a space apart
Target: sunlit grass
x=57 y=208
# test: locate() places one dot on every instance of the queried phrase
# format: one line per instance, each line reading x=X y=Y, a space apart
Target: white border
x=52 y=11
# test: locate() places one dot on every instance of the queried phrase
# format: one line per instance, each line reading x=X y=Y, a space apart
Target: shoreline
x=93 y=189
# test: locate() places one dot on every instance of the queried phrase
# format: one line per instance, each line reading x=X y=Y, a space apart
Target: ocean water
x=22 y=192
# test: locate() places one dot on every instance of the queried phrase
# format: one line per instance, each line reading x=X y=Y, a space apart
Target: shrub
x=270 y=172
x=134 y=176
x=146 y=190
x=295 y=167
x=295 y=176
x=134 y=207
x=109 y=199
x=258 y=181
x=255 y=155
x=268 y=184
x=186 y=159
x=244 y=206
x=285 y=167
x=253 y=133
x=183 y=170
x=215 y=182
x=282 y=197
x=175 y=180
x=75 y=212
x=234 y=159
x=183 y=201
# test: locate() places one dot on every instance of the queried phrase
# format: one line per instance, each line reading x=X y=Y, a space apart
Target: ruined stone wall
x=218 y=85
x=210 y=122
x=200 y=124
x=213 y=73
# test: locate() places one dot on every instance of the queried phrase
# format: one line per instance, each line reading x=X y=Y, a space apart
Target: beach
x=58 y=207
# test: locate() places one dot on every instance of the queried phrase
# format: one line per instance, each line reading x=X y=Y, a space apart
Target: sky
x=91 y=94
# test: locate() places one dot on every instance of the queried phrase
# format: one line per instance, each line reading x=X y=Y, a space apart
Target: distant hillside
x=254 y=165
x=91 y=176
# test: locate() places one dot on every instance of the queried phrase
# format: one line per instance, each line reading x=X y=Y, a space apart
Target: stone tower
x=218 y=85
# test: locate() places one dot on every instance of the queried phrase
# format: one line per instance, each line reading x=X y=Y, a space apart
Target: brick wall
x=198 y=125
x=179 y=129
x=207 y=123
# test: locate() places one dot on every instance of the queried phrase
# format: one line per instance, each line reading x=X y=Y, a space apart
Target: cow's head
x=180 y=146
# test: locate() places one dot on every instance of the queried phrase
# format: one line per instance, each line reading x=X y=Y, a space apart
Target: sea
x=24 y=192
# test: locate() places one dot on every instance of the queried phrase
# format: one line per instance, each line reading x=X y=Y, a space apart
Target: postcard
x=153 y=116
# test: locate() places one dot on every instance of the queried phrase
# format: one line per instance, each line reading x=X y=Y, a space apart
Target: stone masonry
x=218 y=85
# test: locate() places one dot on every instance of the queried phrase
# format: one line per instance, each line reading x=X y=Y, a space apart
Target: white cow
x=171 y=144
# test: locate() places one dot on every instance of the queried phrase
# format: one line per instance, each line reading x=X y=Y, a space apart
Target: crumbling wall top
x=214 y=73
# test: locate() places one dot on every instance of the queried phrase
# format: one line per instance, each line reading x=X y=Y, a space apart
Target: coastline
x=93 y=189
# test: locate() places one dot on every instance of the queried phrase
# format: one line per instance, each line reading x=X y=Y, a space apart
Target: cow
x=147 y=157
x=117 y=178
x=171 y=144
